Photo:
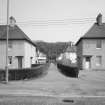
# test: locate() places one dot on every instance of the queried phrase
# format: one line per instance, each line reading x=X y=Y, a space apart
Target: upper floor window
x=99 y=44
x=10 y=44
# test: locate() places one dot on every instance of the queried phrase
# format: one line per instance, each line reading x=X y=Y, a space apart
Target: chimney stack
x=12 y=21
x=99 y=19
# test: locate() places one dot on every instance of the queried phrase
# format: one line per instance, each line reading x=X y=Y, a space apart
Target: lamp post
x=7 y=41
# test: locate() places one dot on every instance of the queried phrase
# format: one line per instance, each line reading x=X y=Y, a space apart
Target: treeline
x=52 y=50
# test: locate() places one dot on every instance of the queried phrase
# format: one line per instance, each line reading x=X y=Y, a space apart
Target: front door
x=19 y=61
x=87 y=62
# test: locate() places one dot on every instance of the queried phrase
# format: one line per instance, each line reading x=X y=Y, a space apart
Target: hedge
x=35 y=65
x=25 y=73
x=68 y=70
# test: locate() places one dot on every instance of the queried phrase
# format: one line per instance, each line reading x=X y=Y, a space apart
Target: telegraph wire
x=55 y=22
x=67 y=21
x=58 y=22
x=51 y=22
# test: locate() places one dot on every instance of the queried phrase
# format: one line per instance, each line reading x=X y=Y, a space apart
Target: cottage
x=21 y=50
x=91 y=47
x=41 y=57
x=69 y=54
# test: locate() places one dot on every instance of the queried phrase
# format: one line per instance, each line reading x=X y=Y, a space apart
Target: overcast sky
x=54 y=20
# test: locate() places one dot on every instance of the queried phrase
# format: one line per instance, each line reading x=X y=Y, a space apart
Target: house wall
x=16 y=50
x=71 y=56
x=79 y=55
x=30 y=51
x=89 y=48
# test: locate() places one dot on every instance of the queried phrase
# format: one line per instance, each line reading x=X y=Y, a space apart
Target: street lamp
x=7 y=41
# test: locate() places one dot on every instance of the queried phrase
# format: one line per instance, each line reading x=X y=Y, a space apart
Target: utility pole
x=7 y=41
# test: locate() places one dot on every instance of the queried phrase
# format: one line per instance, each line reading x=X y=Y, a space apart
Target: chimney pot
x=12 y=21
x=99 y=19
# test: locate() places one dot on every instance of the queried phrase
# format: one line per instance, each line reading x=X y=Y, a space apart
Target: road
x=89 y=83
x=53 y=88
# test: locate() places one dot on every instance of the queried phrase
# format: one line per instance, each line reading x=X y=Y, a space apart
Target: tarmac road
x=45 y=100
x=89 y=83
x=88 y=89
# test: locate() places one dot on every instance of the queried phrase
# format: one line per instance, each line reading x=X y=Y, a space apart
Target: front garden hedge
x=25 y=73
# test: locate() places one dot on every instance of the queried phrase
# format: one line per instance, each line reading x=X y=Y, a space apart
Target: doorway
x=87 y=62
x=19 y=61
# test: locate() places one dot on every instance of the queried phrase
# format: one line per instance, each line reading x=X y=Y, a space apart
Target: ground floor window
x=98 y=60
x=9 y=60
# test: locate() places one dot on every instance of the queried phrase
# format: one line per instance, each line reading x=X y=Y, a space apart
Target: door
x=87 y=62
x=19 y=61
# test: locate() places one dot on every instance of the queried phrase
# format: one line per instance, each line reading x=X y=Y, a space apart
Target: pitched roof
x=95 y=32
x=15 y=33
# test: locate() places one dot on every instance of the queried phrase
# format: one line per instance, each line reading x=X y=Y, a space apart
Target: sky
x=53 y=20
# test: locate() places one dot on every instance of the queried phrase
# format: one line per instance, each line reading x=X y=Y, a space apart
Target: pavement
x=55 y=84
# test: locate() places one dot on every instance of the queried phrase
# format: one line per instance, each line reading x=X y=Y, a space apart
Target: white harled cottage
x=21 y=50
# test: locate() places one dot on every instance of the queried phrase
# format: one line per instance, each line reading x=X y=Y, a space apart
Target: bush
x=26 y=73
x=35 y=65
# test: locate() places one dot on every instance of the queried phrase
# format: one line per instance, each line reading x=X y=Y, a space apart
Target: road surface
x=89 y=83
x=56 y=89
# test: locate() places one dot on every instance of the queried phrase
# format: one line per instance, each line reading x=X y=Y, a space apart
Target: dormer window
x=99 y=44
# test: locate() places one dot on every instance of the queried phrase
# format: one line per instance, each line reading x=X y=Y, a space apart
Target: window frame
x=98 y=44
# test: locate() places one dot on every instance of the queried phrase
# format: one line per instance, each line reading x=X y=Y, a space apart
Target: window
x=9 y=44
x=87 y=59
x=31 y=59
x=10 y=59
x=98 y=60
x=98 y=44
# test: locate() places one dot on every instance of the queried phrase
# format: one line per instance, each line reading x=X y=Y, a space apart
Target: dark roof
x=95 y=32
x=15 y=33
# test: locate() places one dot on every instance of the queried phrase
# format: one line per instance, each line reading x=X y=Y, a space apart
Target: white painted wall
x=19 y=48
x=16 y=50
x=72 y=56
x=2 y=54
x=30 y=51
